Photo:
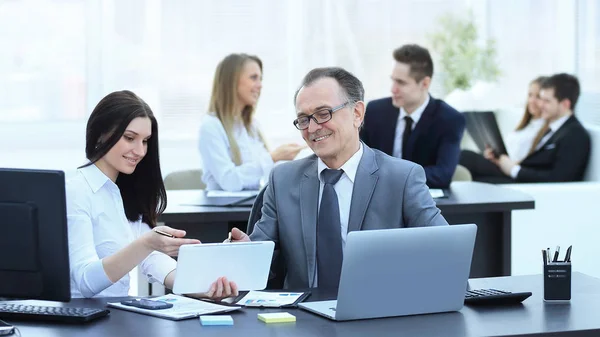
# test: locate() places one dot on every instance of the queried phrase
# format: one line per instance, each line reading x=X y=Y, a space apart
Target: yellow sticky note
x=277 y=317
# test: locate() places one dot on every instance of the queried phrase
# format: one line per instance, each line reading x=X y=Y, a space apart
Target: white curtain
x=59 y=57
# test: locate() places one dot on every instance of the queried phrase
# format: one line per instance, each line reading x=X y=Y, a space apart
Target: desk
x=486 y=205
x=534 y=317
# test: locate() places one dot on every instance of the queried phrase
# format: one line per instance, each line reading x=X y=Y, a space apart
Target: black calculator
x=494 y=297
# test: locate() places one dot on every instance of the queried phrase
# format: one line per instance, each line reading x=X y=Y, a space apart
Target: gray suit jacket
x=388 y=193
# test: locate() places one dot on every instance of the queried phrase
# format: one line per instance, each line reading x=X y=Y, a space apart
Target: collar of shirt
x=536 y=123
x=415 y=115
x=350 y=167
x=95 y=178
x=554 y=126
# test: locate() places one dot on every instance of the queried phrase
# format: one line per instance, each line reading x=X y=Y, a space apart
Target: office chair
x=461 y=174
x=184 y=180
x=278 y=270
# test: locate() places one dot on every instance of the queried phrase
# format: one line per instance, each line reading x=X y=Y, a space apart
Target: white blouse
x=518 y=143
x=219 y=170
x=98 y=228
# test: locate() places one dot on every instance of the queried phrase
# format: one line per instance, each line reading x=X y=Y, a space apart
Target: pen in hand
x=228 y=238
x=158 y=231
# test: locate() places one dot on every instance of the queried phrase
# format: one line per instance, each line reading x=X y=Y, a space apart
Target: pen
x=568 y=254
x=555 y=259
x=229 y=238
x=548 y=256
x=544 y=257
x=158 y=231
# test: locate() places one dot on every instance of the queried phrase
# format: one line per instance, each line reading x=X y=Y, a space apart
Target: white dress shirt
x=519 y=142
x=219 y=170
x=553 y=127
x=98 y=228
x=401 y=124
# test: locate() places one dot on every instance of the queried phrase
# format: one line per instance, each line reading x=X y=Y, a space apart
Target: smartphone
x=147 y=304
x=6 y=329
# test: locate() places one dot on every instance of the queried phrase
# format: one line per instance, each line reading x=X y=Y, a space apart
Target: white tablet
x=245 y=263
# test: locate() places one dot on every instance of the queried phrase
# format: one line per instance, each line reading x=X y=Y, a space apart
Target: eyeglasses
x=320 y=116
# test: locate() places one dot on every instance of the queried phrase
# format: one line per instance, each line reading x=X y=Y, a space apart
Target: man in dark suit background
x=413 y=125
x=561 y=155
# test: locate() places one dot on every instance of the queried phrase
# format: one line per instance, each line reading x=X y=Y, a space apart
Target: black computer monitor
x=34 y=252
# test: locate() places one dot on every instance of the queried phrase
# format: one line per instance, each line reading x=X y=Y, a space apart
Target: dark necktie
x=406 y=135
x=329 y=236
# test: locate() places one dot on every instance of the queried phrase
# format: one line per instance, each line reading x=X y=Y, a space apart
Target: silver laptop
x=403 y=271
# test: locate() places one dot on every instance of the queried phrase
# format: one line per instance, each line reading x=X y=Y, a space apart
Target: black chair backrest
x=278 y=270
x=256 y=212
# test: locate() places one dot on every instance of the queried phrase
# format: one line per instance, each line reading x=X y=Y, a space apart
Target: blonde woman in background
x=233 y=151
x=532 y=127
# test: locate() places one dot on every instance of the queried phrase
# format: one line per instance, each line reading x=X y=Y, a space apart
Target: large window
x=59 y=57
x=588 y=56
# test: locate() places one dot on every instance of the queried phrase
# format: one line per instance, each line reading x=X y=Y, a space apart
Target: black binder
x=483 y=128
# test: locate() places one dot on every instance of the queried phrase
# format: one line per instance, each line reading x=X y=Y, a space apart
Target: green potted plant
x=463 y=60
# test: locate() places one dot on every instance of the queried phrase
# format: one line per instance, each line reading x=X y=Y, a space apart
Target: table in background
x=579 y=317
x=486 y=205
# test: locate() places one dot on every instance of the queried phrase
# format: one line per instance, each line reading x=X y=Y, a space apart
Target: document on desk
x=183 y=308
x=436 y=193
x=272 y=299
x=239 y=194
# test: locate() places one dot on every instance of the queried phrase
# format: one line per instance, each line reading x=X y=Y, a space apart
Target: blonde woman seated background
x=232 y=148
x=114 y=201
x=519 y=143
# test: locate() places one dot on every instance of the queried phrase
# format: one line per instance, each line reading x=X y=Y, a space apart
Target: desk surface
x=464 y=197
x=577 y=318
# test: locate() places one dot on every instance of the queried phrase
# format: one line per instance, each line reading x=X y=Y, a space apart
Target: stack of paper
x=216 y=320
x=277 y=317
x=183 y=307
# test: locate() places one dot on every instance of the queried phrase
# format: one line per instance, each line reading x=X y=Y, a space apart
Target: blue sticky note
x=216 y=320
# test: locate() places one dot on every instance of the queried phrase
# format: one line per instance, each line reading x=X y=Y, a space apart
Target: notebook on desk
x=223 y=199
x=183 y=308
x=483 y=128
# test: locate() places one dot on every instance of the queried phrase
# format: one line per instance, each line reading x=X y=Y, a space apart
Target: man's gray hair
x=351 y=86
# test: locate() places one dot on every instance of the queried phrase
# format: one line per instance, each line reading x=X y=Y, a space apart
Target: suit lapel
x=309 y=198
x=364 y=185
x=422 y=126
x=389 y=129
x=557 y=135
x=561 y=131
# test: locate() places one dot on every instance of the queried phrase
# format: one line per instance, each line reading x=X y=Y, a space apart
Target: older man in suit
x=311 y=204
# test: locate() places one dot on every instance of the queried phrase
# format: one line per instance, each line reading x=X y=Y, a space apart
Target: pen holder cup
x=557 y=282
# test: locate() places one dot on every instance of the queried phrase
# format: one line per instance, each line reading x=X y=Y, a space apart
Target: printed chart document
x=183 y=307
x=272 y=299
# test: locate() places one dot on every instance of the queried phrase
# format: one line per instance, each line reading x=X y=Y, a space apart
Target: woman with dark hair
x=233 y=150
x=519 y=143
x=114 y=201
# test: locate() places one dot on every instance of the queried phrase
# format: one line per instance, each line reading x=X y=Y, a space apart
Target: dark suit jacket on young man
x=564 y=157
x=434 y=142
x=388 y=193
